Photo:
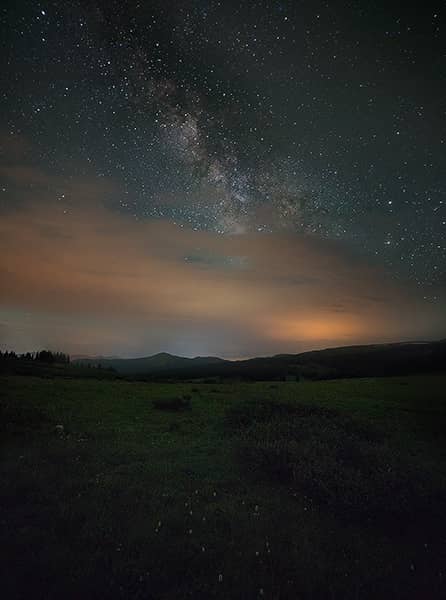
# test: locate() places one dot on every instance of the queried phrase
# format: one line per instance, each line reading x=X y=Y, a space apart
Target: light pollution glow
x=94 y=281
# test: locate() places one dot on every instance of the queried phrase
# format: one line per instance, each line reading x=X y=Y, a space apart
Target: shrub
x=174 y=404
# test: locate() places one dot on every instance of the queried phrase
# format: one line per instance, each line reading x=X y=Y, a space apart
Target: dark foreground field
x=112 y=489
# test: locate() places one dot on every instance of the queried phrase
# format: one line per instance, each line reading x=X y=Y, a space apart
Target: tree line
x=44 y=356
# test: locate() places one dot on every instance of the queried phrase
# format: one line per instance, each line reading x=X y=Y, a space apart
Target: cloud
x=95 y=281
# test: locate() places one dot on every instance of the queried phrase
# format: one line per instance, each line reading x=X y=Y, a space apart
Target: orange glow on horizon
x=101 y=283
x=318 y=328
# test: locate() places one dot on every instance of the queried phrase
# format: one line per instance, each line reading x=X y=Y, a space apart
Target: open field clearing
x=114 y=489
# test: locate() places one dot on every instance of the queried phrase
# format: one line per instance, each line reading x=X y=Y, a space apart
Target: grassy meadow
x=117 y=489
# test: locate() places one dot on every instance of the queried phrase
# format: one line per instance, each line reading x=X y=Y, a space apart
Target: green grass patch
x=257 y=492
x=334 y=460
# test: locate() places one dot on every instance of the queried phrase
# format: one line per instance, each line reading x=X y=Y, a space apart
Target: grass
x=242 y=495
x=335 y=461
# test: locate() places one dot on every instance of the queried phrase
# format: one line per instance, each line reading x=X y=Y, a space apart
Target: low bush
x=173 y=427
x=173 y=404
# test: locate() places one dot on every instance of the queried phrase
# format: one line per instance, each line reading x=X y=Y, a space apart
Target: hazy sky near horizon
x=223 y=178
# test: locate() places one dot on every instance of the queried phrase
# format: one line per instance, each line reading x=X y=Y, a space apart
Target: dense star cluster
x=322 y=118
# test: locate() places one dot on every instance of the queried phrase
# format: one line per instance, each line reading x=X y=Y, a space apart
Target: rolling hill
x=347 y=361
x=157 y=363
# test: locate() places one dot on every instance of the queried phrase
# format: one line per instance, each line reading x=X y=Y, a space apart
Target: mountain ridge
x=355 y=360
x=145 y=364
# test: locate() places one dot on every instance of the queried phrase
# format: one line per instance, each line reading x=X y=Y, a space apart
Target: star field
x=322 y=118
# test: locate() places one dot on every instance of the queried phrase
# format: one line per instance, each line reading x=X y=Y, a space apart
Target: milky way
x=326 y=119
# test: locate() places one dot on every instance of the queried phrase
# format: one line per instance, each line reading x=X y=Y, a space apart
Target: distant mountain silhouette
x=151 y=364
x=346 y=361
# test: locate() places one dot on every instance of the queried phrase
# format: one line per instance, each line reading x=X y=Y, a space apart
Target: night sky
x=231 y=178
